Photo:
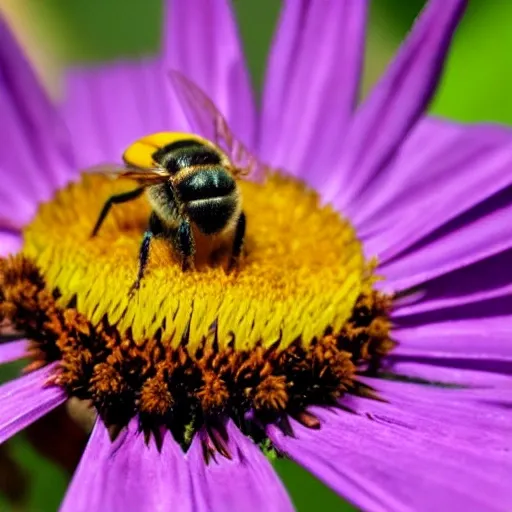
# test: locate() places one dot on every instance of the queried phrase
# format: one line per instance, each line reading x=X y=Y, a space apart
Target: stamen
x=308 y=420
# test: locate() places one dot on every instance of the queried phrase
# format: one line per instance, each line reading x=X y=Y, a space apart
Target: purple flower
x=431 y=199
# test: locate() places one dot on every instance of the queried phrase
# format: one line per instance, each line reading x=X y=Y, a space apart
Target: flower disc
x=302 y=272
x=289 y=327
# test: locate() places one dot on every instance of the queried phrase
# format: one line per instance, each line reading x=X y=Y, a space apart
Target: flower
x=430 y=429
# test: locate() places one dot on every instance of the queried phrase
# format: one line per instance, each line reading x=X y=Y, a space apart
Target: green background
x=476 y=86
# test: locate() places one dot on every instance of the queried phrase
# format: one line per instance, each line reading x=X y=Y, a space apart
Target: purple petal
x=12 y=351
x=312 y=84
x=247 y=482
x=202 y=42
x=482 y=232
x=26 y=399
x=430 y=405
x=127 y=474
x=109 y=107
x=421 y=451
x=440 y=152
x=10 y=242
x=487 y=279
x=38 y=159
x=450 y=185
x=478 y=343
x=396 y=103
x=450 y=372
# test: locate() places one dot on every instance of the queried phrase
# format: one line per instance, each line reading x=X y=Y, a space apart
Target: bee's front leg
x=112 y=200
x=238 y=241
x=154 y=229
x=184 y=244
x=143 y=259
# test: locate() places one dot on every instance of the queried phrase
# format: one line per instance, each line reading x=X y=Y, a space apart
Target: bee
x=190 y=182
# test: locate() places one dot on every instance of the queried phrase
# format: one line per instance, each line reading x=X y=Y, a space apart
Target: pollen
x=292 y=325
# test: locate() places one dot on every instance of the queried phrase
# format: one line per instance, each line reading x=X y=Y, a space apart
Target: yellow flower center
x=302 y=273
x=291 y=326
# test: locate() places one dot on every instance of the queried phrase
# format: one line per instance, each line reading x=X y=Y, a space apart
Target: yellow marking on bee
x=140 y=153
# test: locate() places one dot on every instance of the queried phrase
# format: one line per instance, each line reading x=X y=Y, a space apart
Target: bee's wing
x=145 y=177
x=207 y=121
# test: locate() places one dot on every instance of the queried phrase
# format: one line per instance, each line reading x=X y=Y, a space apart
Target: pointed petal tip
x=396 y=103
x=31 y=126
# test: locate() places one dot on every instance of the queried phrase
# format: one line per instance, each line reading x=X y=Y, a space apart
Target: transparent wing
x=142 y=176
x=207 y=121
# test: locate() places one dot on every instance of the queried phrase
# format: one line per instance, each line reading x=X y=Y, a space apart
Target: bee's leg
x=154 y=229
x=116 y=199
x=238 y=241
x=184 y=241
x=143 y=259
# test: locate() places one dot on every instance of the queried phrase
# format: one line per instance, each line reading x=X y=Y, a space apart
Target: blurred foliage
x=47 y=482
x=478 y=76
x=475 y=87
